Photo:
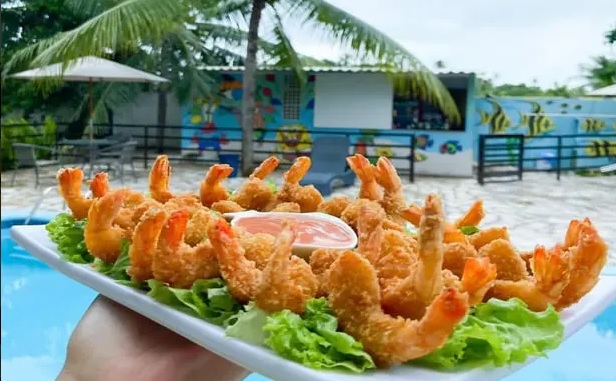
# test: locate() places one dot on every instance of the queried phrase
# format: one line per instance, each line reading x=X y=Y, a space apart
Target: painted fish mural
x=450 y=147
x=384 y=151
x=423 y=141
x=498 y=121
x=593 y=125
x=537 y=125
x=601 y=148
x=419 y=157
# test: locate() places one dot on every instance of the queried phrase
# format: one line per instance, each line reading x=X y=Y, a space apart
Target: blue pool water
x=40 y=308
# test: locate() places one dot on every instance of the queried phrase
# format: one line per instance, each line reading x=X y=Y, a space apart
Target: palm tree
x=197 y=27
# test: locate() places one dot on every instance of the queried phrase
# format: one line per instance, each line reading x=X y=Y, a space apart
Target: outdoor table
x=88 y=143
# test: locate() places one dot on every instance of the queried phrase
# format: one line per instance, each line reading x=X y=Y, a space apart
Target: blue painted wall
x=595 y=118
x=210 y=124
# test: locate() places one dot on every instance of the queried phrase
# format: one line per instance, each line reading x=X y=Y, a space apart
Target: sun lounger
x=329 y=164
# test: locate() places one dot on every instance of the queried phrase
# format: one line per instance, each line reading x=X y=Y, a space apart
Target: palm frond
x=364 y=39
x=120 y=28
x=284 y=51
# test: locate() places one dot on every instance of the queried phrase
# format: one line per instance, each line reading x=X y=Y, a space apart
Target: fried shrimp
x=334 y=206
x=307 y=197
x=285 y=282
x=212 y=189
x=254 y=193
x=144 y=246
x=177 y=263
x=102 y=237
x=320 y=262
x=408 y=297
x=70 y=181
x=160 y=175
x=393 y=196
x=226 y=206
x=588 y=253
x=551 y=274
x=355 y=297
x=509 y=263
x=367 y=175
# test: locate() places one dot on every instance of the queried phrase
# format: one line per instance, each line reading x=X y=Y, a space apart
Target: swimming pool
x=40 y=308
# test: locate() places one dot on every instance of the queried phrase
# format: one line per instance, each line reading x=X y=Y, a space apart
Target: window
x=292 y=98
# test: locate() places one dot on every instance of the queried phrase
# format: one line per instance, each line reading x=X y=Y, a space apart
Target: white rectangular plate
x=261 y=360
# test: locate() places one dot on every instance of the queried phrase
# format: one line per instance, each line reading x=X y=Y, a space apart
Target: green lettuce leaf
x=248 y=325
x=469 y=230
x=118 y=270
x=498 y=333
x=67 y=234
x=312 y=339
x=208 y=299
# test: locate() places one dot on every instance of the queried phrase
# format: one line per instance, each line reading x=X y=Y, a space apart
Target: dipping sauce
x=310 y=232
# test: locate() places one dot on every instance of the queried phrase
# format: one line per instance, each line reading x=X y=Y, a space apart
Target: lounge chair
x=329 y=164
x=25 y=157
x=116 y=157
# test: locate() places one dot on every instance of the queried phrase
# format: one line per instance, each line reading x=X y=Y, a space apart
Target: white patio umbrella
x=91 y=69
x=608 y=91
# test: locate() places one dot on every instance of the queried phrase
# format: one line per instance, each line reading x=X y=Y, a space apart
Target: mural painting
x=213 y=124
x=541 y=120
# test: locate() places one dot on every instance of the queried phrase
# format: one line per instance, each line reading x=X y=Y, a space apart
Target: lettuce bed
x=495 y=333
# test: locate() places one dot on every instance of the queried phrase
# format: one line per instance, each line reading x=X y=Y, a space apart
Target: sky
x=511 y=41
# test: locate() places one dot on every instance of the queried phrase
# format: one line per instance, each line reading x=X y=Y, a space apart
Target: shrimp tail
x=266 y=168
x=159 y=179
x=173 y=232
x=477 y=278
x=99 y=185
x=473 y=216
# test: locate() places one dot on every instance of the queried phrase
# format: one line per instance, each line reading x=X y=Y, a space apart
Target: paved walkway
x=536 y=210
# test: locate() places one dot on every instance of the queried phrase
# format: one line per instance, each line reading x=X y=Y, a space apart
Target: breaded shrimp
x=410 y=296
x=456 y=255
x=350 y=215
x=370 y=233
x=258 y=247
x=254 y=193
x=145 y=243
x=355 y=298
x=308 y=197
x=551 y=274
x=488 y=235
x=177 y=263
x=226 y=206
x=287 y=207
x=102 y=237
x=509 y=263
x=212 y=189
x=70 y=181
x=367 y=175
x=393 y=196
x=320 y=261
x=588 y=252
x=334 y=206
x=196 y=230
x=287 y=281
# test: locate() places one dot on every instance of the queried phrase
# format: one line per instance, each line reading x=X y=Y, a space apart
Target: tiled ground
x=537 y=210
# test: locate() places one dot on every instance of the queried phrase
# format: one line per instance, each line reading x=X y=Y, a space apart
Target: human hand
x=112 y=342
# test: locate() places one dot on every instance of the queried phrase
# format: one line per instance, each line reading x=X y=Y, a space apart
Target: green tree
x=602 y=71
x=198 y=26
x=25 y=23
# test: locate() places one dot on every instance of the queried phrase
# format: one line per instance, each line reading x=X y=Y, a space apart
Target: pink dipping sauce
x=312 y=232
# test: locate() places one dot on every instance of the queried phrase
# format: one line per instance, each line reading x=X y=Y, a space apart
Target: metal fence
x=153 y=140
x=508 y=156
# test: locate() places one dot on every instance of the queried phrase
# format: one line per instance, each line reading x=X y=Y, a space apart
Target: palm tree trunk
x=249 y=84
